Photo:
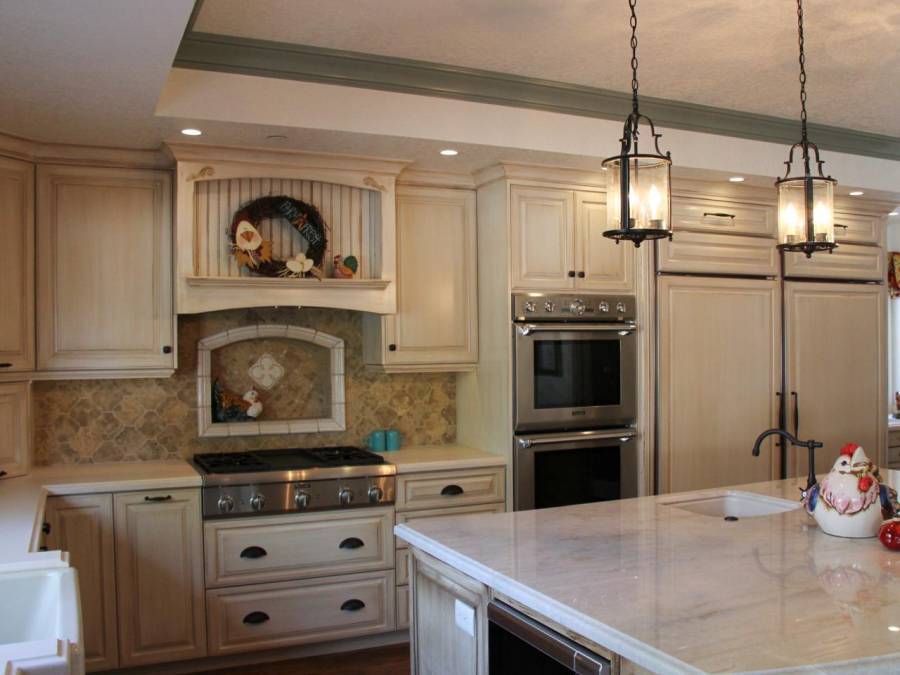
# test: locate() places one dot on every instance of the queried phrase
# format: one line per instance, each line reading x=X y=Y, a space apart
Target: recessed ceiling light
x=894 y=629
x=736 y=179
x=894 y=213
x=857 y=193
x=449 y=152
x=191 y=132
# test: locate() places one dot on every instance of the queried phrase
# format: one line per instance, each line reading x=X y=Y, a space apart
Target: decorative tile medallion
x=266 y=372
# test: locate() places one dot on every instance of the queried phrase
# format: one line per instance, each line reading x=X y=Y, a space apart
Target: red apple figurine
x=889 y=534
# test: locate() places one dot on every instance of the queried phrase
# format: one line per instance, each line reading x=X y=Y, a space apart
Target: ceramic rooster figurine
x=228 y=407
x=851 y=501
x=345 y=268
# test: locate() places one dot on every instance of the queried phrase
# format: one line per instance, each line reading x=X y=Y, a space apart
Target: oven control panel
x=572 y=307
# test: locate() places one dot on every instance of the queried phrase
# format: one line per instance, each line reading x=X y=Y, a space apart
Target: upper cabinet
x=104 y=270
x=17 y=265
x=557 y=242
x=15 y=428
x=436 y=324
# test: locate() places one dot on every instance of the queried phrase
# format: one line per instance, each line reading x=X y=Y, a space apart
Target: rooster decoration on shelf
x=229 y=407
x=345 y=268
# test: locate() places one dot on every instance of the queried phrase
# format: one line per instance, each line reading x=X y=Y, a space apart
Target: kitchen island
x=655 y=584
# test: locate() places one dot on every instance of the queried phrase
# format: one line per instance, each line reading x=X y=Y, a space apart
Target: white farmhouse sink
x=732 y=504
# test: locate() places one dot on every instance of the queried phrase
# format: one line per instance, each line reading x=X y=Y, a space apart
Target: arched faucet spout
x=810 y=445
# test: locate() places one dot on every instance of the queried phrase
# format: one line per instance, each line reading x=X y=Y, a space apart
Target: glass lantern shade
x=642 y=183
x=806 y=214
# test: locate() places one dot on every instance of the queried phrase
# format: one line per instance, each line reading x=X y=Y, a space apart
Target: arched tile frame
x=207 y=428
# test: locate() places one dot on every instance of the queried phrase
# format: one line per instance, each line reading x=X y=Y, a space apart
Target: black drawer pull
x=5 y=365
x=719 y=214
x=256 y=618
x=254 y=552
x=843 y=227
x=164 y=498
x=352 y=542
x=451 y=491
x=352 y=605
x=2 y=473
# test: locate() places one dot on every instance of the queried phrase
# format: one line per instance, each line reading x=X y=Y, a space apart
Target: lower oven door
x=574 y=468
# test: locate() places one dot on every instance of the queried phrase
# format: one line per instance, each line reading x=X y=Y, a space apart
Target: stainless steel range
x=264 y=482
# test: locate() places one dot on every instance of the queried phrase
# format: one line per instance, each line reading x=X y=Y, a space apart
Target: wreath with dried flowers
x=255 y=253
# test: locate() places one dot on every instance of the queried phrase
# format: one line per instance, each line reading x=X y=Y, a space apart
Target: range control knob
x=620 y=307
x=258 y=502
x=603 y=306
x=346 y=496
x=225 y=504
x=549 y=307
x=375 y=494
x=577 y=307
x=530 y=306
x=301 y=499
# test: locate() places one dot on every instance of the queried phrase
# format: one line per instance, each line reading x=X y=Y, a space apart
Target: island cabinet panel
x=714 y=253
x=436 y=324
x=719 y=359
x=159 y=576
x=723 y=215
x=602 y=264
x=17 y=265
x=542 y=238
x=847 y=262
x=104 y=269
x=15 y=428
x=449 y=627
x=859 y=228
x=82 y=525
x=836 y=368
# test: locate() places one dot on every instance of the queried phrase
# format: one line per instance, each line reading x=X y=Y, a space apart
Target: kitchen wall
x=87 y=421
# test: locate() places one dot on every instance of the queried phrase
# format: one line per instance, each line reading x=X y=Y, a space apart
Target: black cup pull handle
x=352 y=605
x=352 y=542
x=161 y=498
x=256 y=618
x=254 y=552
x=451 y=491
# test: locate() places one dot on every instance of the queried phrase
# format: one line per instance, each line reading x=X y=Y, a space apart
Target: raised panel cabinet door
x=719 y=369
x=836 y=365
x=848 y=261
x=859 y=228
x=542 y=238
x=17 y=265
x=82 y=525
x=603 y=265
x=15 y=428
x=104 y=269
x=721 y=214
x=437 y=268
x=159 y=576
x=714 y=253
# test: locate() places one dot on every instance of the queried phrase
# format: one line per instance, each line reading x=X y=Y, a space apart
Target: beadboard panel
x=352 y=216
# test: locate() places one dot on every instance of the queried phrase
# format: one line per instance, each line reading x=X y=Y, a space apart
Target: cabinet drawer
x=411 y=516
x=403 y=607
x=849 y=261
x=450 y=488
x=718 y=254
x=858 y=228
x=894 y=438
x=402 y=566
x=721 y=215
x=269 y=616
x=893 y=456
x=278 y=548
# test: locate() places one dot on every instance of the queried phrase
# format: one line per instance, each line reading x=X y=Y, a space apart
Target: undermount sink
x=732 y=504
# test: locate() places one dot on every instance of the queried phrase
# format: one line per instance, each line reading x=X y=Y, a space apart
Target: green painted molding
x=223 y=53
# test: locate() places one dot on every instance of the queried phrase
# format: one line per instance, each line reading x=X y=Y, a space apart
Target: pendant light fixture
x=638 y=184
x=805 y=202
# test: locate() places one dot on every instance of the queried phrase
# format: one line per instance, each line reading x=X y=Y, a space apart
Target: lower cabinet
x=403 y=607
x=159 y=576
x=15 y=428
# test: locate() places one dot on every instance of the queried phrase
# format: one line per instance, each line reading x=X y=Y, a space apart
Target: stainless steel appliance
x=519 y=644
x=264 y=482
x=575 y=361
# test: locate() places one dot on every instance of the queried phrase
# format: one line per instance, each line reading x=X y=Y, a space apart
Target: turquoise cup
x=376 y=441
x=393 y=440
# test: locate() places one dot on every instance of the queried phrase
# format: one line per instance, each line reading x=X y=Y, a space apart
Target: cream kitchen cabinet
x=82 y=525
x=159 y=576
x=17 y=265
x=15 y=428
x=557 y=243
x=436 y=324
x=848 y=261
x=104 y=271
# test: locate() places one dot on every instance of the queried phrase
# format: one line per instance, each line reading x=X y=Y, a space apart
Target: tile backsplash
x=83 y=421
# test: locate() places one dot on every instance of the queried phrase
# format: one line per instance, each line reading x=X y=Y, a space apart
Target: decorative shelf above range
x=327 y=241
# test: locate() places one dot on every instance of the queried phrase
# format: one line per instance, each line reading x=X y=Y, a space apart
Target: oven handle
x=621 y=435
x=525 y=329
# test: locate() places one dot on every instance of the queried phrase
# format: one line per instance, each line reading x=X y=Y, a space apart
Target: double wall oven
x=575 y=403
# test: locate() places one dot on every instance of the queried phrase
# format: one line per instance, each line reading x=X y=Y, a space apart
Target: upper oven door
x=574 y=376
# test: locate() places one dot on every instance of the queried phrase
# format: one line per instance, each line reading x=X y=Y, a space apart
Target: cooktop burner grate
x=291 y=459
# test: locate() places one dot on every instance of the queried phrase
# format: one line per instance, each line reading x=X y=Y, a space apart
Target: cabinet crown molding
x=39 y=152
x=541 y=173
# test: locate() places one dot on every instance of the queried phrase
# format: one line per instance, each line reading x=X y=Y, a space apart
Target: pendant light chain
x=634 y=59
x=802 y=73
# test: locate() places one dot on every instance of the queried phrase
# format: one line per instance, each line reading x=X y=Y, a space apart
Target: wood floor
x=391 y=660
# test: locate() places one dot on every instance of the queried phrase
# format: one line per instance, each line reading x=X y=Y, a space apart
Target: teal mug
x=392 y=439
x=376 y=441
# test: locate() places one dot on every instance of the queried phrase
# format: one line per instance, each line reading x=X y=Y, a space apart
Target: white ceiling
x=737 y=54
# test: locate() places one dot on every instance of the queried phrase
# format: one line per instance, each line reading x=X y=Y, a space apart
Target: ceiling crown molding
x=223 y=53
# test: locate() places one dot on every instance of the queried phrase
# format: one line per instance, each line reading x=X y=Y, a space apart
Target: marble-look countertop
x=22 y=499
x=417 y=458
x=676 y=591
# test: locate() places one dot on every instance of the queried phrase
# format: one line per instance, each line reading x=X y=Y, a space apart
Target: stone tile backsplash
x=83 y=421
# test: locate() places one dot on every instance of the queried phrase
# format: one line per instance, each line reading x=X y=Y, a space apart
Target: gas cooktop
x=292 y=459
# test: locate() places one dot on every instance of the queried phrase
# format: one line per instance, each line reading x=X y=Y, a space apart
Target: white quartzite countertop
x=417 y=458
x=676 y=591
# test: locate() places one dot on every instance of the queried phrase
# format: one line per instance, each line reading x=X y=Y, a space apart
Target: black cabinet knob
x=352 y=542
x=571 y=273
x=167 y=349
x=45 y=528
x=256 y=618
x=254 y=552
x=581 y=275
x=451 y=490
x=352 y=605
x=392 y=348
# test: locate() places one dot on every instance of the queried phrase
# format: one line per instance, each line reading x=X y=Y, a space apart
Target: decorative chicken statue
x=228 y=407
x=851 y=501
x=345 y=268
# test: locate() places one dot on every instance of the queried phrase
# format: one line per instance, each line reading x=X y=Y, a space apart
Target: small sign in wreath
x=253 y=252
